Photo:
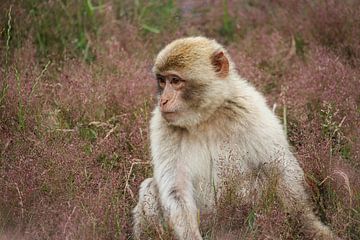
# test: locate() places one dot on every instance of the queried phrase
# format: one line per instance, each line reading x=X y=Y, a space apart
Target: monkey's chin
x=170 y=117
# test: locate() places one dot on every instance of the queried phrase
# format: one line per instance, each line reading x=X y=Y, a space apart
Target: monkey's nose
x=163 y=102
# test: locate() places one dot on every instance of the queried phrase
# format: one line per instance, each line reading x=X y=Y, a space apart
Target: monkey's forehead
x=183 y=53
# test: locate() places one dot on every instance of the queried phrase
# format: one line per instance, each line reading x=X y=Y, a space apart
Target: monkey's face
x=192 y=79
x=171 y=88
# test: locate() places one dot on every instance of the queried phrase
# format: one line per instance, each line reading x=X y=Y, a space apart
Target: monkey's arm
x=177 y=199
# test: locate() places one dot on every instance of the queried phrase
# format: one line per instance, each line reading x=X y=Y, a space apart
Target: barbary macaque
x=209 y=125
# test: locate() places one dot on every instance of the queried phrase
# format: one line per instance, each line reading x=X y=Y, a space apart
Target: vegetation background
x=76 y=93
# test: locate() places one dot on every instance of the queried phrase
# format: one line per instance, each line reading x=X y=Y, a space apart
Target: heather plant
x=76 y=94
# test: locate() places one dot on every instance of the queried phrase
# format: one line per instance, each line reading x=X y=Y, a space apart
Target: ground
x=76 y=94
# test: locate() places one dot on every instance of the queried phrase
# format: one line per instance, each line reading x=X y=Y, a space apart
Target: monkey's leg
x=148 y=210
x=292 y=192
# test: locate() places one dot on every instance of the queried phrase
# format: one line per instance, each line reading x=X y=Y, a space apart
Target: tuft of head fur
x=192 y=59
x=190 y=55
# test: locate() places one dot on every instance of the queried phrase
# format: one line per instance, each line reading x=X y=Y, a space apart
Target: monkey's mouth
x=170 y=116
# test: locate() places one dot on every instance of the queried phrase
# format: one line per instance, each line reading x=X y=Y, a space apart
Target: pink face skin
x=171 y=86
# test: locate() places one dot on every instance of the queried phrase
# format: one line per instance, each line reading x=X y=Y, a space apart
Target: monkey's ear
x=220 y=63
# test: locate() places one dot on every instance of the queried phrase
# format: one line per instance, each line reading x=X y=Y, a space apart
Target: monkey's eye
x=161 y=80
x=176 y=81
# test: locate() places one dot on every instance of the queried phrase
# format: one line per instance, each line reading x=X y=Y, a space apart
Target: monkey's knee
x=147 y=212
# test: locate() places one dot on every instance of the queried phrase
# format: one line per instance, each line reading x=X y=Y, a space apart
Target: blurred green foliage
x=300 y=45
x=67 y=29
x=20 y=110
x=228 y=27
x=64 y=28
x=152 y=16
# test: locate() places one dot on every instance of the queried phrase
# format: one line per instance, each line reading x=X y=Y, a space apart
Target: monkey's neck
x=224 y=118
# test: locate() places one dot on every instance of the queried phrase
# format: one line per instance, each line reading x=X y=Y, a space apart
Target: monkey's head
x=193 y=80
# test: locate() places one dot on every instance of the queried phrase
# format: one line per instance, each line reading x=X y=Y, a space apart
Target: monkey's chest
x=224 y=169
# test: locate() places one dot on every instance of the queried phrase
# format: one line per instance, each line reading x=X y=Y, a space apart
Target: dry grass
x=76 y=94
